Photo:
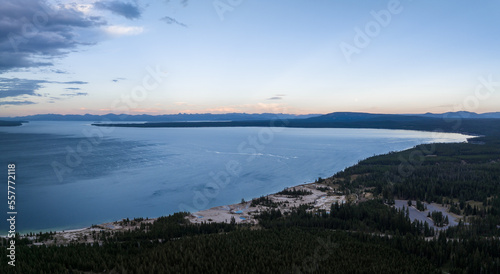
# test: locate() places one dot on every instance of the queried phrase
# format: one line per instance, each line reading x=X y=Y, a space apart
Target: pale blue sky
x=259 y=56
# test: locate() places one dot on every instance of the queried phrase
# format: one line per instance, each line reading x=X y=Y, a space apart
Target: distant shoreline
x=11 y=123
x=76 y=230
x=475 y=127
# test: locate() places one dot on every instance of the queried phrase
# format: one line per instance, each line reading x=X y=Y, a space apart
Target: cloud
x=277 y=97
x=73 y=88
x=118 y=79
x=32 y=32
x=123 y=30
x=59 y=71
x=75 y=94
x=14 y=87
x=170 y=21
x=72 y=82
x=251 y=108
x=16 y=103
x=82 y=7
x=128 y=10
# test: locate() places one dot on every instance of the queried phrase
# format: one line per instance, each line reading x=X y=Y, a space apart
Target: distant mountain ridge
x=464 y=114
x=361 y=116
x=206 y=117
x=181 y=117
x=451 y=122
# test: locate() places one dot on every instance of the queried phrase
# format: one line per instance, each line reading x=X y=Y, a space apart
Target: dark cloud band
x=32 y=32
x=14 y=87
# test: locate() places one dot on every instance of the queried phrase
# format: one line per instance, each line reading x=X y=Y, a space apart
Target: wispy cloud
x=58 y=71
x=14 y=87
x=71 y=82
x=128 y=10
x=277 y=97
x=118 y=79
x=16 y=103
x=75 y=94
x=170 y=21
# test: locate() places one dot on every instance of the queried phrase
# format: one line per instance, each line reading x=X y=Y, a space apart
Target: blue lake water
x=71 y=174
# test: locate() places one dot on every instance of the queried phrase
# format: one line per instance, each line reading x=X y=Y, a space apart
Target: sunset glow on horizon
x=169 y=57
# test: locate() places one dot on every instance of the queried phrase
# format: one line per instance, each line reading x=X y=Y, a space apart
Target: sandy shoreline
x=322 y=196
x=89 y=234
x=318 y=196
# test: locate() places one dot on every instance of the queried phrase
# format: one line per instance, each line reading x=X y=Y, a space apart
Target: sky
x=224 y=56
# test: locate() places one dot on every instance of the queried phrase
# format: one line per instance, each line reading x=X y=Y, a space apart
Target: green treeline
x=438 y=218
x=448 y=174
x=292 y=192
x=371 y=216
x=289 y=250
x=365 y=238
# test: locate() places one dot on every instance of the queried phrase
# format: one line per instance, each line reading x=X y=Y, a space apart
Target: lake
x=72 y=175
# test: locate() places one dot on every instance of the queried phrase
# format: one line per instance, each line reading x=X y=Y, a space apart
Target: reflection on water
x=149 y=172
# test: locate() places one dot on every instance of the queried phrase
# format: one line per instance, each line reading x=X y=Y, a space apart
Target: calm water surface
x=72 y=175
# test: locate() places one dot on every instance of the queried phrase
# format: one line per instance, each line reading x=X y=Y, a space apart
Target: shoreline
x=242 y=213
x=224 y=213
x=322 y=195
x=227 y=124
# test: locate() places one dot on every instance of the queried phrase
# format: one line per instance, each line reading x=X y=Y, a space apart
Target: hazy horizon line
x=254 y=113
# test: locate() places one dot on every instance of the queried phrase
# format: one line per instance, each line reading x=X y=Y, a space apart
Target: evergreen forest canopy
x=367 y=237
